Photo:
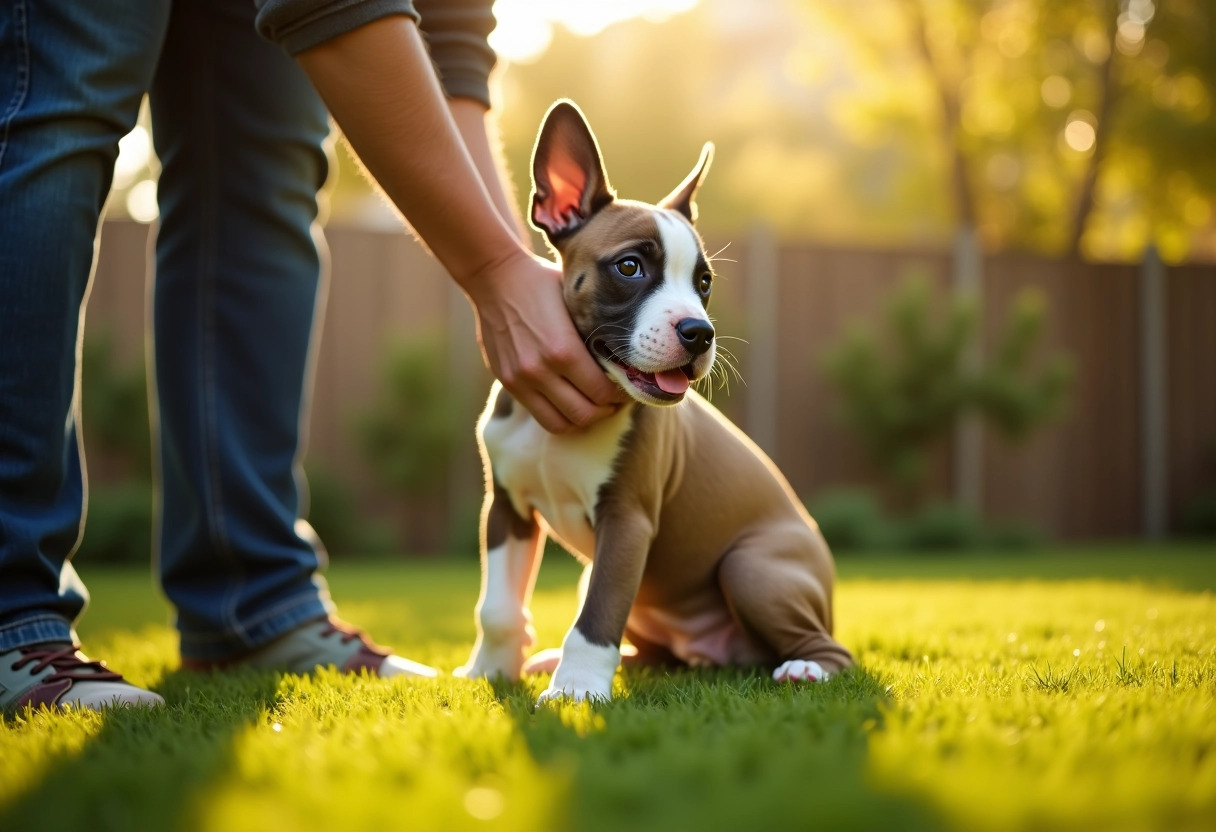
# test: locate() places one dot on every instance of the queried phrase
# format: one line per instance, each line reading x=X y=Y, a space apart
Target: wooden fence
x=1123 y=461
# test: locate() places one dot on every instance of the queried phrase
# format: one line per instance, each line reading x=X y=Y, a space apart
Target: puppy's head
x=636 y=278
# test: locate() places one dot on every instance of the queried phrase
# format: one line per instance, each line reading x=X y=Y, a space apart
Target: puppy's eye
x=705 y=283
x=629 y=267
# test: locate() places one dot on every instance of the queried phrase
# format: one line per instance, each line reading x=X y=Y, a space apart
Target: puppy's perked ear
x=568 y=179
x=682 y=199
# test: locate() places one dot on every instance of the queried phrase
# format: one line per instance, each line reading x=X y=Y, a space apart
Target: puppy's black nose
x=695 y=334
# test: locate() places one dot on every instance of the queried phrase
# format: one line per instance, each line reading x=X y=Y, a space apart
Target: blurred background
x=967 y=246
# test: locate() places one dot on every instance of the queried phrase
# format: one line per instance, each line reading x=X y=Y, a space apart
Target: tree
x=903 y=390
x=1047 y=125
x=1059 y=120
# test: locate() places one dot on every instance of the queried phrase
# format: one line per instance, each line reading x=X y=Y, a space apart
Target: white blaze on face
x=655 y=341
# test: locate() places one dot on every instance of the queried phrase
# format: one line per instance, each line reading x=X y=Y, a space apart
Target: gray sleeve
x=297 y=25
x=456 y=32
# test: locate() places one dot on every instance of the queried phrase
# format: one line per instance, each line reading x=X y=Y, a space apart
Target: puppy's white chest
x=557 y=476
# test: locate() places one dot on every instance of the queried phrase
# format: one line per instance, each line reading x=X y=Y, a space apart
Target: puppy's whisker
x=603 y=326
x=727 y=363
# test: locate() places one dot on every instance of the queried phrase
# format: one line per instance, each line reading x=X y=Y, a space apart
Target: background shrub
x=853 y=520
x=409 y=434
x=118 y=526
x=941 y=525
x=904 y=388
x=1199 y=516
x=333 y=512
x=850 y=519
x=115 y=405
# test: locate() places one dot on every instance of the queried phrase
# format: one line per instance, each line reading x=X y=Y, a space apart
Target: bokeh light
x=134 y=153
x=525 y=27
x=141 y=202
x=1080 y=133
x=1056 y=91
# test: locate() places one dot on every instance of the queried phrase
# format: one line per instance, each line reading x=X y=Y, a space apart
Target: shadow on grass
x=723 y=749
x=148 y=784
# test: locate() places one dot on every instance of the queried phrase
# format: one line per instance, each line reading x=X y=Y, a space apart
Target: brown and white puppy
x=696 y=548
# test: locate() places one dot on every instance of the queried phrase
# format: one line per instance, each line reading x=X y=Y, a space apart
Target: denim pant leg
x=240 y=132
x=71 y=79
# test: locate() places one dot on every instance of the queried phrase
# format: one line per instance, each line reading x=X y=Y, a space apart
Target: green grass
x=1069 y=689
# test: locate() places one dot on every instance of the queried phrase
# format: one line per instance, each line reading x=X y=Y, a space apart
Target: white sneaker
x=58 y=675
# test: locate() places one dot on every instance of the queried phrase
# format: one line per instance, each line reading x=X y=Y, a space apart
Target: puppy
x=696 y=548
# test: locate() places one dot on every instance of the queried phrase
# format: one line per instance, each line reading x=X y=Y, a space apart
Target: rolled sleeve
x=297 y=25
x=457 y=33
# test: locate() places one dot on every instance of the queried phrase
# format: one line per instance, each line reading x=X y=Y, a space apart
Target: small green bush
x=334 y=515
x=941 y=525
x=850 y=519
x=409 y=434
x=903 y=387
x=1012 y=536
x=1199 y=515
x=114 y=401
x=118 y=526
x=853 y=520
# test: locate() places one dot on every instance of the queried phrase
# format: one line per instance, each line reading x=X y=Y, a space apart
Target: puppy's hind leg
x=511 y=547
x=778 y=586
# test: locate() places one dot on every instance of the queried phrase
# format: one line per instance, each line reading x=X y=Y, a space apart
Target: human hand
x=530 y=344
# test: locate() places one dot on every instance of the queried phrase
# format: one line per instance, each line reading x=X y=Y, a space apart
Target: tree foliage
x=892 y=121
x=1055 y=125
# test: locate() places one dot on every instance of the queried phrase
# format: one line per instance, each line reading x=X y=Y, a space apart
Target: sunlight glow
x=525 y=27
x=1080 y=134
x=1056 y=91
x=141 y=202
x=484 y=803
x=1003 y=170
x=134 y=153
x=1132 y=24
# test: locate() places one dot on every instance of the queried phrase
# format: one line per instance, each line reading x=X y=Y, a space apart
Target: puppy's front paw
x=575 y=691
x=800 y=671
x=585 y=671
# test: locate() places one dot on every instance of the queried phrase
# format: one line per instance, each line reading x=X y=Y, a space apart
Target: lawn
x=1068 y=689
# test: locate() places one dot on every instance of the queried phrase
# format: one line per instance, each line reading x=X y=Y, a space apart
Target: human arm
x=477 y=128
x=381 y=88
x=457 y=36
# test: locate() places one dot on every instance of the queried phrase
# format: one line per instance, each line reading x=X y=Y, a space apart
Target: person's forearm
x=380 y=87
x=478 y=128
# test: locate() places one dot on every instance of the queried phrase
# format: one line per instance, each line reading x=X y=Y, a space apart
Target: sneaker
x=320 y=643
x=58 y=675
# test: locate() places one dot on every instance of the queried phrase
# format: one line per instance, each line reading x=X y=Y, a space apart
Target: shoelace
x=350 y=633
x=347 y=632
x=67 y=665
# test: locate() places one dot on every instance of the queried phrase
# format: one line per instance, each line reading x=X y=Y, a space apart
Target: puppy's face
x=636 y=278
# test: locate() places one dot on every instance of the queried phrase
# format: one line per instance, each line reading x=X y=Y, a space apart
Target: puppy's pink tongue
x=671 y=381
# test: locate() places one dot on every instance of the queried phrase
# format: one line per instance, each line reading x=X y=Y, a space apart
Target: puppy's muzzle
x=696 y=335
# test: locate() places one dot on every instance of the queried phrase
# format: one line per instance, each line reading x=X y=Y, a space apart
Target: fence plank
x=1191 y=408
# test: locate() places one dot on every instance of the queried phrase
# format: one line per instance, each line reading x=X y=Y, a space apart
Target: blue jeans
x=239 y=278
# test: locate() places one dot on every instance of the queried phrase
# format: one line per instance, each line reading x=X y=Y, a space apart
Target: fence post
x=967 y=278
x=762 y=387
x=1153 y=369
